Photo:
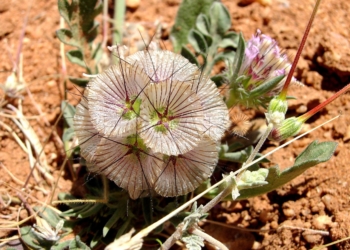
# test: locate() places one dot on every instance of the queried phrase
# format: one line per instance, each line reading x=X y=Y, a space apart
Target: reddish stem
x=283 y=94
x=313 y=111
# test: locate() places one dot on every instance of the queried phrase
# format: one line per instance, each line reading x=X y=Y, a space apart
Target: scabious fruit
x=151 y=123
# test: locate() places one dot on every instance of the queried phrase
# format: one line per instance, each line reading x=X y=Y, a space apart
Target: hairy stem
x=208 y=238
x=259 y=145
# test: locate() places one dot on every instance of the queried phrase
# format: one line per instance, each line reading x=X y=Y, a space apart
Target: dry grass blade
x=30 y=134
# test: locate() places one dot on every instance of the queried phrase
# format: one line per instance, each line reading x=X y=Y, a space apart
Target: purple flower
x=263 y=61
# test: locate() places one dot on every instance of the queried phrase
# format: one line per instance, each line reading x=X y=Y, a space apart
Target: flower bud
x=288 y=128
x=277 y=105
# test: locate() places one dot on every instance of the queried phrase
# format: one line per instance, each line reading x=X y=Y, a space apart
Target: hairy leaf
x=202 y=24
x=230 y=39
x=82 y=82
x=186 y=20
x=189 y=56
x=220 y=19
x=120 y=212
x=78 y=244
x=266 y=86
x=68 y=112
x=197 y=41
x=66 y=37
x=77 y=57
x=238 y=58
x=314 y=154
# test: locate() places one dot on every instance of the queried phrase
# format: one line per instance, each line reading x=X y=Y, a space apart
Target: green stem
x=119 y=16
x=259 y=145
x=210 y=57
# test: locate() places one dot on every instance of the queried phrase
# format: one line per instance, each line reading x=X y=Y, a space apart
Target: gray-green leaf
x=202 y=24
x=197 y=40
x=186 y=20
x=185 y=52
x=82 y=82
x=314 y=154
x=220 y=19
x=230 y=39
x=66 y=37
x=68 y=113
x=77 y=57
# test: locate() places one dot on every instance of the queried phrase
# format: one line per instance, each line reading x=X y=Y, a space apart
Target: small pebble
x=51 y=83
x=328 y=201
x=321 y=222
x=274 y=224
x=132 y=4
x=264 y=216
x=305 y=212
x=312 y=238
x=256 y=245
x=289 y=212
x=301 y=109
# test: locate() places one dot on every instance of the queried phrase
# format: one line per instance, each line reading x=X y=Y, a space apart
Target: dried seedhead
x=151 y=123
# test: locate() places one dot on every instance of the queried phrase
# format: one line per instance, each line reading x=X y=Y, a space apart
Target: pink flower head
x=263 y=61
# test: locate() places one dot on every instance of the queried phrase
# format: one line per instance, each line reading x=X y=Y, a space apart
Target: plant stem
x=173 y=238
x=283 y=94
x=219 y=197
x=105 y=23
x=119 y=15
x=208 y=238
x=259 y=145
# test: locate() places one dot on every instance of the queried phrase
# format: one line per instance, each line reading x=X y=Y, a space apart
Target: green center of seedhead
x=136 y=144
x=163 y=119
x=132 y=108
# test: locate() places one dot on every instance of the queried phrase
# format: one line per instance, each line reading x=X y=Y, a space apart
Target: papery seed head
x=128 y=163
x=161 y=65
x=88 y=136
x=172 y=118
x=152 y=110
x=216 y=117
x=240 y=122
x=184 y=173
x=114 y=99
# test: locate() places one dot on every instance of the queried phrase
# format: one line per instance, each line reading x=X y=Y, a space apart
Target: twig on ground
x=15 y=136
x=309 y=230
x=32 y=161
x=25 y=204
